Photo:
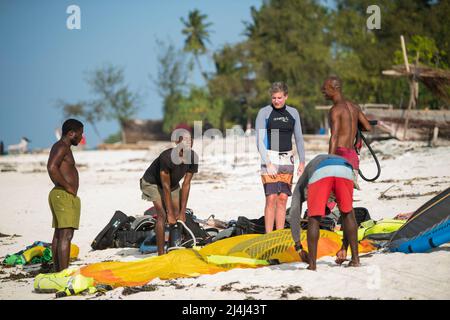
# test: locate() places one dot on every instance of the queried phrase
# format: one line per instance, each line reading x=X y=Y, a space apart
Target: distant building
x=144 y=130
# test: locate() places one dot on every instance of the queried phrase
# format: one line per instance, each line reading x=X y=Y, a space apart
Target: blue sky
x=41 y=61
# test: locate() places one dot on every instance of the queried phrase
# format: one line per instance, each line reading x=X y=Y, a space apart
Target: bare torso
x=347 y=115
x=61 y=157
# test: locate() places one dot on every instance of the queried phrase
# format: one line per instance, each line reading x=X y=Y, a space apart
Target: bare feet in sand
x=341 y=256
x=312 y=267
x=354 y=263
x=304 y=256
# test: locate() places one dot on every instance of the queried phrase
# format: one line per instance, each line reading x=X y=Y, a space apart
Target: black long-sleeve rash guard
x=274 y=129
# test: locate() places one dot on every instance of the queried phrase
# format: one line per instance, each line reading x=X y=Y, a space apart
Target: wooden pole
x=411 y=87
x=435 y=136
x=405 y=56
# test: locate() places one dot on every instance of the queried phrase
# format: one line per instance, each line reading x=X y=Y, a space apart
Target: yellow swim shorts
x=65 y=208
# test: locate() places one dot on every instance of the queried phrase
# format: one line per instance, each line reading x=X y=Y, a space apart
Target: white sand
x=109 y=181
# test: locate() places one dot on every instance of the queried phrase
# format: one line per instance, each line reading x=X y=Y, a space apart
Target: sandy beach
x=228 y=185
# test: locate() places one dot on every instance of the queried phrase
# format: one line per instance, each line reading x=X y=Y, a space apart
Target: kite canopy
x=245 y=251
x=428 y=227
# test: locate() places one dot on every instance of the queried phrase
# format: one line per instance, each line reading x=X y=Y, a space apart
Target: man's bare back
x=344 y=119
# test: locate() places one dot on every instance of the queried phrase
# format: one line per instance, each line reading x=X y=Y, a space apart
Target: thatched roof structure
x=437 y=80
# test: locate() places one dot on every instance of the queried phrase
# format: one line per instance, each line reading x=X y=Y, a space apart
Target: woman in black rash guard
x=274 y=126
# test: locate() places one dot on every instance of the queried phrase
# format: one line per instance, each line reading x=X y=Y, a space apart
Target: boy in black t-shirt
x=160 y=184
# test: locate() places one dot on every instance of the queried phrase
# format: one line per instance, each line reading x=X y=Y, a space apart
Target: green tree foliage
x=234 y=83
x=289 y=42
x=422 y=50
x=377 y=50
x=82 y=110
x=302 y=42
x=113 y=99
x=171 y=81
x=173 y=70
x=197 y=35
x=197 y=106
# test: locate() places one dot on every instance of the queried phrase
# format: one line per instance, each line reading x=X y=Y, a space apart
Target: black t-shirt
x=177 y=171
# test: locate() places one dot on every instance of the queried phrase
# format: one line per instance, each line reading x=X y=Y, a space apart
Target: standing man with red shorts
x=325 y=174
x=345 y=117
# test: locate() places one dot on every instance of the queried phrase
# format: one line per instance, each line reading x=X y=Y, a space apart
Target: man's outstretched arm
x=185 y=188
x=165 y=181
x=363 y=122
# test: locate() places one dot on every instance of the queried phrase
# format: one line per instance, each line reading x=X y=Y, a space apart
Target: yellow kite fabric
x=255 y=250
x=176 y=264
x=246 y=251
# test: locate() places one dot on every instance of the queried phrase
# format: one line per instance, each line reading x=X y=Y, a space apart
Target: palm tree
x=197 y=33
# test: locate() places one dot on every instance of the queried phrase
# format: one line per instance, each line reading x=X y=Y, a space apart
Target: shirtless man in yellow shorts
x=63 y=200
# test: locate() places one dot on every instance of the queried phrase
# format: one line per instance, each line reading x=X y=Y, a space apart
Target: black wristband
x=298 y=247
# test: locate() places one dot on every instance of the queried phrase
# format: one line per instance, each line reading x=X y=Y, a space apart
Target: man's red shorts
x=319 y=193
